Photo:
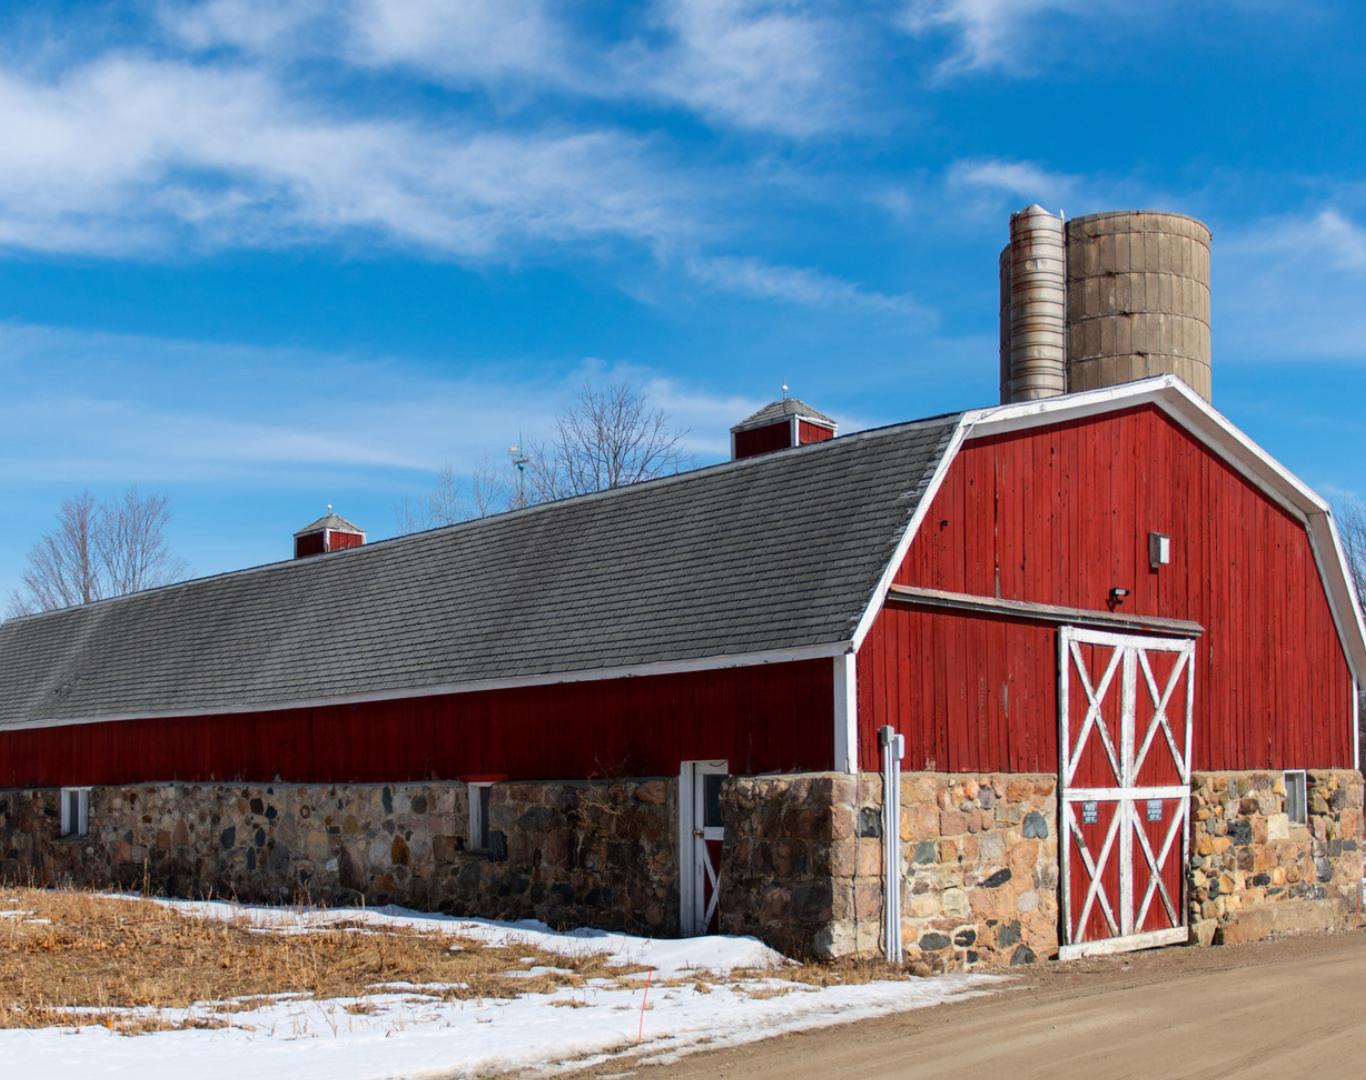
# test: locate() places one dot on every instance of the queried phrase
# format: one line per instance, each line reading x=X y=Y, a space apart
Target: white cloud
x=122 y=152
x=1024 y=180
x=474 y=42
x=760 y=64
x=748 y=276
x=127 y=154
x=1000 y=35
x=765 y=65
x=256 y=26
x=93 y=408
x=1289 y=288
x=1326 y=236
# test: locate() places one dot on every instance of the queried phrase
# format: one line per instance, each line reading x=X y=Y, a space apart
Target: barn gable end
x=1124 y=570
x=1060 y=516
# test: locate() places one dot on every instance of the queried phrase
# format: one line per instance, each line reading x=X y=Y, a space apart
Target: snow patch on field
x=409 y=1031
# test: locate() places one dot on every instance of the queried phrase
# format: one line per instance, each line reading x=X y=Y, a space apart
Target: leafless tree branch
x=443 y=506
x=96 y=551
x=1352 y=530
x=608 y=438
x=489 y=492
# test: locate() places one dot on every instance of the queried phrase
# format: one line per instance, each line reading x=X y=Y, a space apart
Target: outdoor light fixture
x=1159 y=550
x=1117 y=595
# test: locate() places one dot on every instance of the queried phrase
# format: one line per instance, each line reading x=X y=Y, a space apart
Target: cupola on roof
x=781 y=410
x=333 y=521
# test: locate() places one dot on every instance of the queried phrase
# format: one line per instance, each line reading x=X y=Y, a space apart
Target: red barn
x=1103 y=648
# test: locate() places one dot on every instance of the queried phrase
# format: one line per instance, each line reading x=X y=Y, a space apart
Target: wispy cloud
x=995 y=34
x=1024 y=180
x=1288 y=289
x=126 y=153
x=765 y=65
x=261 y=416
x=1327 y=236
x=781 y=66
x=747 y=276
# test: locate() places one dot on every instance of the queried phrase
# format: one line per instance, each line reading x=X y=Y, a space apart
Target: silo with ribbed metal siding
x=1138 y=299
x=1004 y=270
x=1034 y=333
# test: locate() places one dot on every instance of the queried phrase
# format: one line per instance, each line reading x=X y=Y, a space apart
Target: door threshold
x=1177 y=935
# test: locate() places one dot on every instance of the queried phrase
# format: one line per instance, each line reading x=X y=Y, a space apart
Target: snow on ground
x=406 y=1033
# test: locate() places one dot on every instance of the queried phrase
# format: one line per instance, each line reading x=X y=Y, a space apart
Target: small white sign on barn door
x=700 y=838
x=1126 y=708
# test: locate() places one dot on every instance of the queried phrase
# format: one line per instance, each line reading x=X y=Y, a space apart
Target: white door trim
x=693 y=861
x=1128 y=663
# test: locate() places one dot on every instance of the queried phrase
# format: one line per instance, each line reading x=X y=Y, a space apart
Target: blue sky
x=264 y=255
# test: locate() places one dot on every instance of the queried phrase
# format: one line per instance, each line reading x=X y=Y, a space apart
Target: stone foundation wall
x=980 y=858
x=802 y=862
x=571 y=853
x=801 y=866
x=1253 y=874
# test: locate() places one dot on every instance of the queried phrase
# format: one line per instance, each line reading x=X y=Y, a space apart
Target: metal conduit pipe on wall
x=893 y=750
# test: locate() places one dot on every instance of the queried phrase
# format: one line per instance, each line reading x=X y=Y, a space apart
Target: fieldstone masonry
x=1253 y=873
x=571 y=853
x=801 y=866
x=980 y=854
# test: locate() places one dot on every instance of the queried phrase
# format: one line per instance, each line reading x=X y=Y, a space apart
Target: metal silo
x=1034 y=278
x=1137 y=299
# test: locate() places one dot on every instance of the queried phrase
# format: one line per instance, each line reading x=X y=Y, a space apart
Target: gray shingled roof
x=778 y=410
x=332 y=521
x=775 y=552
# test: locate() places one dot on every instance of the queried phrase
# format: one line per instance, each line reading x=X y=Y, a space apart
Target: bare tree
x=1352 y=530
x=489 y=492
x=608 y=438
x=490 y=489
x=1351 y=521
x=443 y=506
x=96 y=551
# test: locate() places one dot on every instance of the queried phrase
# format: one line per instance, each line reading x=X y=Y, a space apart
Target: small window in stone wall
x=1296 y=798
x=75 y=812
x=479 y=816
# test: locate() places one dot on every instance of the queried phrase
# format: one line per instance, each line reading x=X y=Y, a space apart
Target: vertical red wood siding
x=769 y=717
x=812 y=433
x=1060 y=516
x=308 y=544
x=338 y=541
x=763 y=440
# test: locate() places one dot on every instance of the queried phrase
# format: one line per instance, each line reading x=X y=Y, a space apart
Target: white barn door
x=700 y=839
x=1126 y=709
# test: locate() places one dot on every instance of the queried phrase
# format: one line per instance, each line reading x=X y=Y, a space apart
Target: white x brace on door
x=700 y=838
x=1126 y=708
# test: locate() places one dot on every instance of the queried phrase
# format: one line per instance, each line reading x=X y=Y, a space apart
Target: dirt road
x=1292 y=1008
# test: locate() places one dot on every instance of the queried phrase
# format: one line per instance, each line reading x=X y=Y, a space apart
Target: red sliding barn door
x=1126 y=712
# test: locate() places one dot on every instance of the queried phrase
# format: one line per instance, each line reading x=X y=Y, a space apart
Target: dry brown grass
x=73 y=958
x=833 y=973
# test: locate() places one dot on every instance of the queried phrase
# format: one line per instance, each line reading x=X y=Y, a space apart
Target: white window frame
x=479 y=828
x=81 y=826
x=1290 y=776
